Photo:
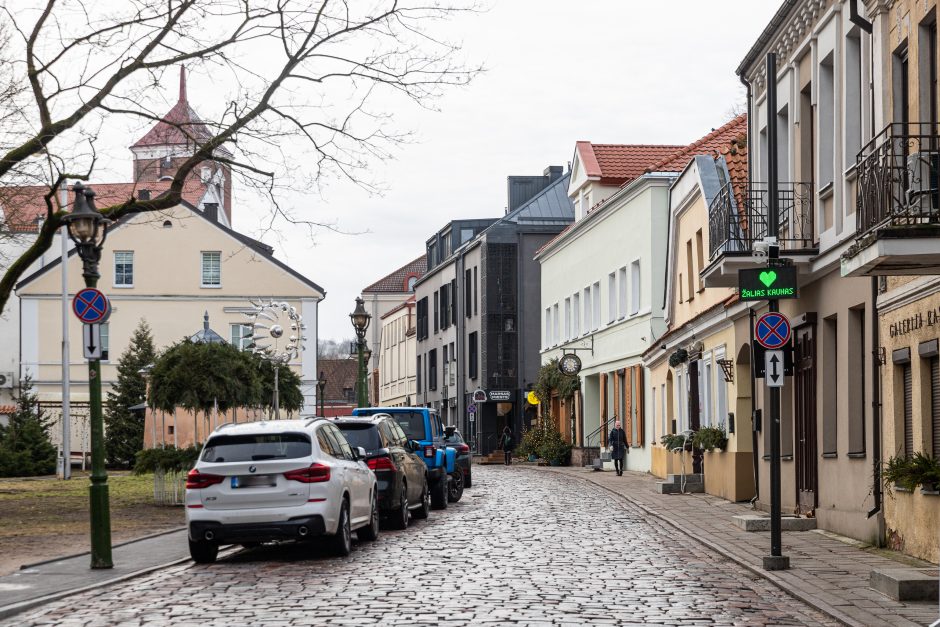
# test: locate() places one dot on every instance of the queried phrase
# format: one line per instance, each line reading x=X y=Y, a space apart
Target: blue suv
x=425 y=431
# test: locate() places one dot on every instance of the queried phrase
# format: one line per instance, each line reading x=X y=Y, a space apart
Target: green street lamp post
x=321 y=390
x=360 y=320
x=88 y=229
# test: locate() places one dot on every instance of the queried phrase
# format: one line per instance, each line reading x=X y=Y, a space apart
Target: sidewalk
x=51 y=580
x=825 y=572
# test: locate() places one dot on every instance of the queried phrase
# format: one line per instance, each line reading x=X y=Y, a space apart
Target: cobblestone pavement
x=522 y=547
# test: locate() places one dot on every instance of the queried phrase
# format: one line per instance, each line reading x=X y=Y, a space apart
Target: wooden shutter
x=640 y=414
x=935 y=403
x=908 y=411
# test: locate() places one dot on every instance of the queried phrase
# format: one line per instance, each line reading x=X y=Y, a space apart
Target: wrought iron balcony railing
x=737 y=217
x=898 y=178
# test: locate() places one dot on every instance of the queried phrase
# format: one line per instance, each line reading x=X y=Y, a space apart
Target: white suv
x=279 y=480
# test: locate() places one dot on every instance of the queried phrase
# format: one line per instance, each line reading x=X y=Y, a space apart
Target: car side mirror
x=414 y=445
x=360 y=452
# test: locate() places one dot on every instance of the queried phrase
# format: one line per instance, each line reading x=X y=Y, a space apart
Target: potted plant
x=909 y=471
x=709 y=438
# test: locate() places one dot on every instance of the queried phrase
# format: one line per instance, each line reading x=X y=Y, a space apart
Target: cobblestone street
x=522 y=547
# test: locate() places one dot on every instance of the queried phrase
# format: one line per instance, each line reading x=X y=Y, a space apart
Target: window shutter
x=935 y=403
x=908 y=412
x=640 y=414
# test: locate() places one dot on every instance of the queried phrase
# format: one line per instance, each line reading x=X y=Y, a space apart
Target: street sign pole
x=776 y=560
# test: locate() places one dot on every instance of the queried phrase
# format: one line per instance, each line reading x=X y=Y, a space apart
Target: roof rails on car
x=222 y=426
x=313 y=420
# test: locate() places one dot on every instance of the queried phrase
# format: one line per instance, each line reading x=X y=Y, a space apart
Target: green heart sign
x=768 y=277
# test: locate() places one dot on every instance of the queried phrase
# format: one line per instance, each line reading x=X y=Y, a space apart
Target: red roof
x=616 y=164
x=397 y=281
x=180 y=126
x=6 y=410
x=712 y=143
x=408 y=303
x=23 y=206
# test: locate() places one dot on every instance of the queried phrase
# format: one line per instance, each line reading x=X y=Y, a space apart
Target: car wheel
x=422 y=512
x=203 y=552
x=399 y=519
x=468 y=482
x=340 y=543
x=455 y=486
x=370 y=532
x=439 y=494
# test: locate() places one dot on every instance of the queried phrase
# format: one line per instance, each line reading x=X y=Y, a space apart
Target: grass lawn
x=44 y=517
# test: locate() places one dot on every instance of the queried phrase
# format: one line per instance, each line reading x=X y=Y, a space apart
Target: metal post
x=362 y=398
x=776 y=560
x=277 y=400
x=66 y=362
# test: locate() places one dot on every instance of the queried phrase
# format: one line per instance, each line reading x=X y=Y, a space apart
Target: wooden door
x=804 y=409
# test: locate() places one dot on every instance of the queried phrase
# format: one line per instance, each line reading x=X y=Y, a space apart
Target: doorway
x=804 y=408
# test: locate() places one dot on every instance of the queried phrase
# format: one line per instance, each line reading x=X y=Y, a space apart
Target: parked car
x=401 y=474
x=424 y=426
x=279 y=480
x=452 y=438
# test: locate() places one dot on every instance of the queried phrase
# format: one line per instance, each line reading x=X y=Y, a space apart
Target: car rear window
x=454 y=439
x=364 y=435
x=256 y=447
x=412 y=423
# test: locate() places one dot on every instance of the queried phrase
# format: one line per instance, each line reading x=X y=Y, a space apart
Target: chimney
x=211 y=209
x=553 y=172
x=143 y=194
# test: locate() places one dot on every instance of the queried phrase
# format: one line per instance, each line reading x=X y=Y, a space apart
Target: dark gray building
x=478 y=310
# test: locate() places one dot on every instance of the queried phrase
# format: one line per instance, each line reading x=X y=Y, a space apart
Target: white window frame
x=588 y=310
x=622 y=292
x=568 y=319
x=576 y=314
x=635 y=282
x=612 y=297
x=548 y=327
x=596 y=300
x=556 y=325
x=240 y=342
x=721 y=392
x=203 y=256
x=707 y=379
x=105 y=337
x=116 y=264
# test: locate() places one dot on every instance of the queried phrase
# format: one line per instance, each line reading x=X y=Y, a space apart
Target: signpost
x=472 y=410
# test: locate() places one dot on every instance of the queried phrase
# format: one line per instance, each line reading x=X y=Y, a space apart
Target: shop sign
x=498 y=396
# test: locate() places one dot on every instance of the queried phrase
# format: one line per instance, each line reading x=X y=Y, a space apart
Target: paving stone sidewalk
x=828 y=573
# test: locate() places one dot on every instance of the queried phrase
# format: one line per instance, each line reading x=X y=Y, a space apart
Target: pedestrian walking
x=618 y=446
x=508 y=443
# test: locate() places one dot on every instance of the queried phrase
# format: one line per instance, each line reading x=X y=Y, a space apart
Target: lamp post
x=88 y=229
x=360 y=320
x=321 y=390
x=366 y=376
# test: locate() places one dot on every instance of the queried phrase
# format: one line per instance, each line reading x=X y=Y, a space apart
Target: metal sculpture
x=276 y=336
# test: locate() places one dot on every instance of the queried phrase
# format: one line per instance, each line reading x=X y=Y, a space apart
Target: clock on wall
x=570 y=364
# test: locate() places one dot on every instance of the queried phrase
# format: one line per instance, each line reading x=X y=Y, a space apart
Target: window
x=437 y=311
x=466 y=235
x=935 y=405
x=418 y=376
x=699 y=258
x=826 y=108
x=445 y=306
x=706 y=399
x=211 y=269
x=588 y=310
x=611 y=297
x=856 y=398
x=105 y=340
x=240 y=335
x=556 y=325
x=689 y=271
x=432 y=369
x=472 y=343
x=908 y=410
x=721 y=395
x=422 y=318
x=853 y=97
x=622 y=292
x=567 y=319
x=467 y=293
x=123 y=268
x=474 y=290
x=576 y=315
x=830 y=380
x=453 y=301
x=635 y=287
x=548 y=327
x=411 y=283
x=596 y=293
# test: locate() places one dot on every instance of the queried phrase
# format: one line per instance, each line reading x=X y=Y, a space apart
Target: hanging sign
x=767 y=283
x=533 y=398
x=500 y=395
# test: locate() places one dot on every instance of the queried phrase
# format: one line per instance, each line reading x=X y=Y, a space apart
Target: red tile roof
x=340 y=375
x=408 y=303
x=23 y=206
x=712 y=143
x=397 y=281
x=616 y=164
x=181 y=125
x=6 y=410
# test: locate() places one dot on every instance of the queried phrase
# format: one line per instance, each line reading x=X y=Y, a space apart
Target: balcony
x=898 y=207
x=737 y=218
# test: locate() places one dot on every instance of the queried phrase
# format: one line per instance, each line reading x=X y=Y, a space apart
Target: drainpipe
x=875 y=401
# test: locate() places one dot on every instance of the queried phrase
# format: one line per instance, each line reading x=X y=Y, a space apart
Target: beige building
x=898 y=246
x=398 y=373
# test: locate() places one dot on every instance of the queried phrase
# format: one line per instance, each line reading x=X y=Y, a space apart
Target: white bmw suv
x=279 y=480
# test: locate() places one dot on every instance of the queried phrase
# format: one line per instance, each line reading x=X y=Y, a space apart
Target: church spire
x=183 y=97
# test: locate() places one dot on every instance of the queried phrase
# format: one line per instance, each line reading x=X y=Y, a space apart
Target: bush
x=908 y=472
x=25 y=449
x=710 y=438
x=672 y=441
x=169 y=459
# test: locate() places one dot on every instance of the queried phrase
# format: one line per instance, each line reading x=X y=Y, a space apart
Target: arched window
x=410 y=282
x=167 y=224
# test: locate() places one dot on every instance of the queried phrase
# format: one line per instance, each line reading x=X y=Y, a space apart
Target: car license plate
x=254 y=481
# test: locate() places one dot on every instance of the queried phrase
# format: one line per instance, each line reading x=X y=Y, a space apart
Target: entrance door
x=804 y=409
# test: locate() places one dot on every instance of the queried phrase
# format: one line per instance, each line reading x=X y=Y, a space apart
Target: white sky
x=608 y=71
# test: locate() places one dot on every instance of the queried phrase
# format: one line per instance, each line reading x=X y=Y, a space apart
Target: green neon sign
x=767 y=283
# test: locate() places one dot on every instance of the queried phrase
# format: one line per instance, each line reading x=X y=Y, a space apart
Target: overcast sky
x=608 y=71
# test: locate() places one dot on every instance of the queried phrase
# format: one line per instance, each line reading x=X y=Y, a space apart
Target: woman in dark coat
x=507 y=443
x=618 y=446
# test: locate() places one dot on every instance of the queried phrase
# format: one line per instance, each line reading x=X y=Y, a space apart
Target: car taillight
x=314 y=473
x=196 y=480
x=429 y=450
x=463 y=448
x=381 y=463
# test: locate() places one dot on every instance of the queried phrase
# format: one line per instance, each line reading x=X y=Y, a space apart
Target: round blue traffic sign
x=91 y=306
x=772 y=330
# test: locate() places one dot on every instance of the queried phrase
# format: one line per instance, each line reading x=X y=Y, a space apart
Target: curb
x=113 y=546
x=777 y=581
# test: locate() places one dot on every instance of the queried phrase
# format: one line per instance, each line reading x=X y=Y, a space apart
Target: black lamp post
x=88 y=229
x=321 y=390
x=360 y=320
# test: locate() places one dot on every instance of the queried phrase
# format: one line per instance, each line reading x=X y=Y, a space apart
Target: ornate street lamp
x=88 y=229
x=360 y=320
x=321 y=390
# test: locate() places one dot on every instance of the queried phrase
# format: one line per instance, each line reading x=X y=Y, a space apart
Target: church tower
x=172 y=140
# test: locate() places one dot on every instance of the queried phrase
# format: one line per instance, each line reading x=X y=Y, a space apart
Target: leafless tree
x=321 y=79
